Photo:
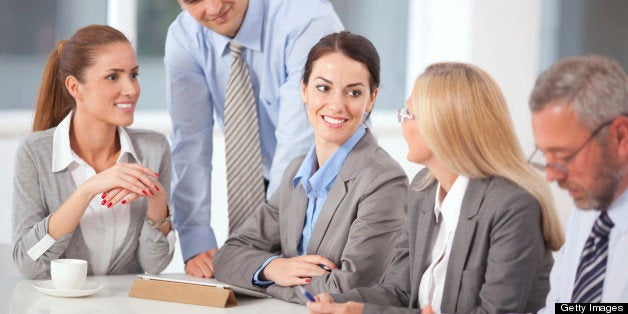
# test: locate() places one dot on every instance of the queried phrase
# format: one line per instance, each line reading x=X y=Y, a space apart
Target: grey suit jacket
x=498 y=263
x=38 y=193
x=362 y=218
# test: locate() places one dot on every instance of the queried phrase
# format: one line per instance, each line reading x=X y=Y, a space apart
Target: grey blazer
x=498 y=263
x=38 y=192
x=362 y=218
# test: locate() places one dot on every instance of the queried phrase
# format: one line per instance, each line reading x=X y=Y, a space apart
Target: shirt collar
x=452 y=203
x=618 y=212
x=126 y=146
x=62 y=154
x=61 y=151
x=250 y=33
x=317 y=181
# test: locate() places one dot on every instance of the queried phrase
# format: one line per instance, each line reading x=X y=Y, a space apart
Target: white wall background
x=500 y=36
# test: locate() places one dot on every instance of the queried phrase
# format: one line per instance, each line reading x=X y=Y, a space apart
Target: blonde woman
x=481 y=224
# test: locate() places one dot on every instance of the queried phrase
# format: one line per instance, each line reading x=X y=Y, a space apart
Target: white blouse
x=103 y=229
x=447 y=214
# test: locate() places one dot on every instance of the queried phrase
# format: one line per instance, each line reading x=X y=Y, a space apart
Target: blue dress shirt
x=277 y=36
x=317 y=182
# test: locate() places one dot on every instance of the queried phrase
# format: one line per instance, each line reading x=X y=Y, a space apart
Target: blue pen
x=307 y=294
x=325 y=267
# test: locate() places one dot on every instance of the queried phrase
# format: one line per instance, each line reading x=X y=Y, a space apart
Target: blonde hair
x=461 y=112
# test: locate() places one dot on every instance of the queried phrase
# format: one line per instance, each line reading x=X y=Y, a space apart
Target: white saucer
x=47 y=287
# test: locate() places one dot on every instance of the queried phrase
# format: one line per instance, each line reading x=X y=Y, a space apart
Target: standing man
x=221 y=55
x=579 y=118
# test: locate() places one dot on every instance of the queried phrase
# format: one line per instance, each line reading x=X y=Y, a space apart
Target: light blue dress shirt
x=317 y=182
x=563 y=275
x=277 y=36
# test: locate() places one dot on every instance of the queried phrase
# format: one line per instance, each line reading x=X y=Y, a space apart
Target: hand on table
x=201 y=265
x=296 y=270
x=325 y=304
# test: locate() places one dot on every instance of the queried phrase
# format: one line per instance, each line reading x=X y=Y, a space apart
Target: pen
x=325 y=267
x=307 y=294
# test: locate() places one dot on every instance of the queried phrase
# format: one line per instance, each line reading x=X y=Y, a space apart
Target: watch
x=156 y=224
x=162 y=222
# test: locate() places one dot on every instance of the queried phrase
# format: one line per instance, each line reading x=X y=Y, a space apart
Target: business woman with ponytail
x=85 y=186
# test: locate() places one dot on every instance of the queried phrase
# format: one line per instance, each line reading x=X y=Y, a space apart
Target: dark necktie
x=245 y=182
x=592 y=269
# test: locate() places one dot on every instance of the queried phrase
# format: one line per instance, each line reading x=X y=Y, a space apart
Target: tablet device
x=185 y=278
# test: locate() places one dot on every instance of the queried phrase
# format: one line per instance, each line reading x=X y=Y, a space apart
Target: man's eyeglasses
x=539 y=161
x=404 y=115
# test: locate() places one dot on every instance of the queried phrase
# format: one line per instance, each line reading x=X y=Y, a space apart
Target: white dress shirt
x=563 y=273
x=103 y=229
x=447 y=214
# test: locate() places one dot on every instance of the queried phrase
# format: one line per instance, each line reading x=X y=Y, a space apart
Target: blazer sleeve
x=253 y=242
x=30 y=216
x=392 y=294
x=372 y=236
x=154 y=252
x=516 y=256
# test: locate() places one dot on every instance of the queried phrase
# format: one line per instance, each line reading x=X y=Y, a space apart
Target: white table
x=19 y=296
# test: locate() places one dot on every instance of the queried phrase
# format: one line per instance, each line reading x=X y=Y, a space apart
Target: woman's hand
x=123 y=176
x=296 y=270
x=122 y=181
x=325 y=304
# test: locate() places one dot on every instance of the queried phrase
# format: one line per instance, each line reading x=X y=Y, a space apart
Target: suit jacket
x=498 y=263
x=361 y=219
x=38 y=193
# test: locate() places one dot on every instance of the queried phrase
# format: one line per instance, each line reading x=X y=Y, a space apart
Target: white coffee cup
x=68 y=274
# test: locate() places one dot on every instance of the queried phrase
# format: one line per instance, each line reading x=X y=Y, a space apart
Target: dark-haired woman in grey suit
x=332 y=223
x=86 y=187
x=481 y=224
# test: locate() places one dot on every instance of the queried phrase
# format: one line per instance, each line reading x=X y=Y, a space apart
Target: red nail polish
x=123 y=202
x=144 y=192
x=157 y=188
x=109 y=205
x=151 y=192
x=103 y=202
x=157 y=174
x=308 y=280
x=104 y=195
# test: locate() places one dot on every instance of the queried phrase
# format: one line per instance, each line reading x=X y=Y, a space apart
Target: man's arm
x=190 y=108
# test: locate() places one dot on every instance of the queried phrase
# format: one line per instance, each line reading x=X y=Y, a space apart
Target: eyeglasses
x=404 y=115
x=561 y=165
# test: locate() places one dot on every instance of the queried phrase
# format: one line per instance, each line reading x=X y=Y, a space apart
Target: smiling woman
x=104 y=187
x=331 y=224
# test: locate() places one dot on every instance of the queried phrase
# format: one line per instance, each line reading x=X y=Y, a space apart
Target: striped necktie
x=245 y=182
x=592 y=268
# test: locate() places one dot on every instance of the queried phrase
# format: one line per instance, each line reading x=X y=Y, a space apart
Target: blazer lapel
x=295 y=220
x=348 y=172
x=424 y=233
x=463 y=240
x=334 y=198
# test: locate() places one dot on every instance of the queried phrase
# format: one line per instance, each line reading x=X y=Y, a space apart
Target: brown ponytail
x=53 y=103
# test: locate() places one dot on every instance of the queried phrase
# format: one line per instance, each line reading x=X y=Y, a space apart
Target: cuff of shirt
x=263 y=283
x=172 y=240
x=196 y=240
x=41 y=247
